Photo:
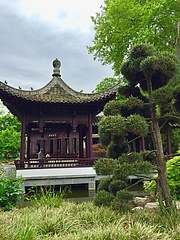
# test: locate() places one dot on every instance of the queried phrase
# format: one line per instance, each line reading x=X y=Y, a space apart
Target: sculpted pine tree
x=148 y=101
x=151 y=70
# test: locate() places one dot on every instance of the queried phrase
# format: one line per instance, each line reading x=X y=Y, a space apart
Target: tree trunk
x=162 y=183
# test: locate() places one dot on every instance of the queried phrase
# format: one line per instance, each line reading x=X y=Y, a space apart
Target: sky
x=35 y=32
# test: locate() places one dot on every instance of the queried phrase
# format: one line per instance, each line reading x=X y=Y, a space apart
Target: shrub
x=104 y=184
x=10 y=191
x=173 y=176
x=123 y=201
x=116 y=185
x=103 y=198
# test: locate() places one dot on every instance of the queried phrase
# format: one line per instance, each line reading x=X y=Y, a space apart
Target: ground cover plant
x=85 y=221
x=10 y=191
x=173 y=176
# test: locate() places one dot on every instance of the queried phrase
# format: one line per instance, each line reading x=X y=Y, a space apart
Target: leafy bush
x=117 y=184
x=10 y=191
x=105 y=166
x=104 y=184
x=123 y=201
x=103 y=198
x=173 y=176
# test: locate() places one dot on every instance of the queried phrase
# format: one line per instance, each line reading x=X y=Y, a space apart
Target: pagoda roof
x=56 y=91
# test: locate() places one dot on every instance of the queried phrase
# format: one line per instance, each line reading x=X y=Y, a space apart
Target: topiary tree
x=115 y=132
x=148 y=73
x=152 y=70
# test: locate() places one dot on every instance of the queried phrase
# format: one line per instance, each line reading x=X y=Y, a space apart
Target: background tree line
x=10 y=131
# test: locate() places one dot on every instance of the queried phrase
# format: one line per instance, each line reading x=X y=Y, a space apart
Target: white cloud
x=70 y=14
x=35 y=32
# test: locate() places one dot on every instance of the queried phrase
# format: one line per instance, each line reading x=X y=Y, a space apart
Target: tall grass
x=47 y=196
x=85 y=221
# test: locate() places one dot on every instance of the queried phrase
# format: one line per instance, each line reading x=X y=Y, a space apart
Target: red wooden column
x=28 y=146
x=89 y=136
x=23 y=132
x=80 y=143
x=142 y=144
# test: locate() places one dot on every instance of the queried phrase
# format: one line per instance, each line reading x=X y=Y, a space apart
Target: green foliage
x=8 y=121
x=10 y=129
x=111 y=126
x=9 y=142
x=144 y=64
x=10 y=191
x=137 y=125
x=131 y=164
x=112 y=189
x=47 y=197
x=104 y=184
x=103 y=198
x=145 y=70
x=117 y=184
x=112 y=108
x=125 y=107
x=173 y=176
x=177 y=97
x=105 y=84
x=87 y=221
x=164 y=99
x=121 y=24
x=105 y=166
x=117 y=147
x=133 y=102
x=122 y=201
x=173 y=170
x=149 y=156
x=175 y=139
x=160 y=67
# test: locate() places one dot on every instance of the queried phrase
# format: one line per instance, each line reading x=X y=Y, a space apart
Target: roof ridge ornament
x=56 y=64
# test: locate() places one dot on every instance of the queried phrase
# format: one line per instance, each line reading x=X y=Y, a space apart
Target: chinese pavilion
x=55 y=117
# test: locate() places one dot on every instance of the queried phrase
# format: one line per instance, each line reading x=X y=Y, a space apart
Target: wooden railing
x=54 y=163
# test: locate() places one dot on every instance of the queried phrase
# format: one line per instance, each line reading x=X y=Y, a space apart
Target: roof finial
x=56 y=65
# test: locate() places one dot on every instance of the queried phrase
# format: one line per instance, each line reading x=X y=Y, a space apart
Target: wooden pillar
x=142 y=144
x=23 y=131
x=89 y=136
x=80 y=143
x=28 y=146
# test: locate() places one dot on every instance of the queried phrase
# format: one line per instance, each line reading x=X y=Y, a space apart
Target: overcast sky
x=35 y=32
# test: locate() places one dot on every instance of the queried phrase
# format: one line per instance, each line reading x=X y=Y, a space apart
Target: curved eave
x=49 y=94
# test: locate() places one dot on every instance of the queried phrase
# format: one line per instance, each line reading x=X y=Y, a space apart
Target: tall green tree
x=152 y=70
x=149 y=101
x=10 y=129
x=122 y=23
x=106 y=83
x=7 y=121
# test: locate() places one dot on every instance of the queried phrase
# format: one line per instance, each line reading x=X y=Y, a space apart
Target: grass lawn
x=72 y=221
